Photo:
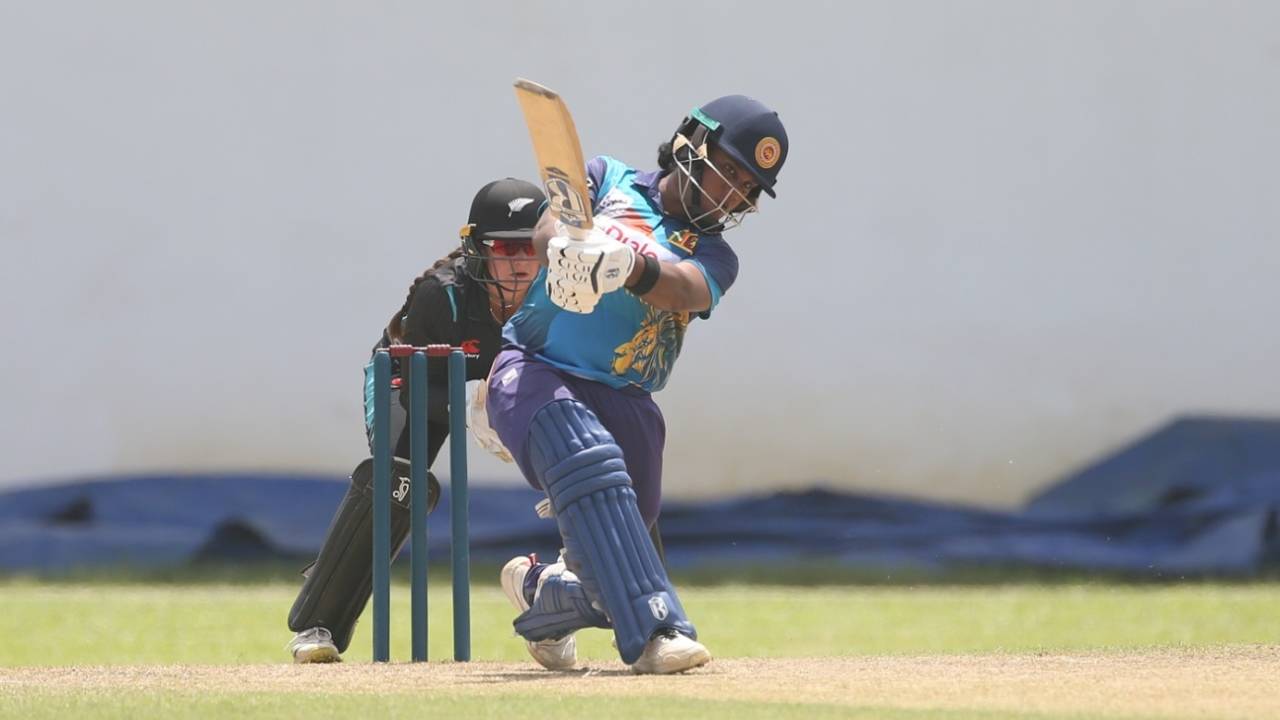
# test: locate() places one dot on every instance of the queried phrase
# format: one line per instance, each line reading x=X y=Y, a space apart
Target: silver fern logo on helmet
x=517 y=205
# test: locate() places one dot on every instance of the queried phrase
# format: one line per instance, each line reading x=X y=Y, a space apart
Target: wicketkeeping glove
x=479 y=425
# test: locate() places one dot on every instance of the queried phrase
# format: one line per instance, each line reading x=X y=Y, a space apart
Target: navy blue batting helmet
x=750 y=133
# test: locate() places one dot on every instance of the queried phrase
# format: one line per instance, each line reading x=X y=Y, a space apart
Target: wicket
x=460 y=545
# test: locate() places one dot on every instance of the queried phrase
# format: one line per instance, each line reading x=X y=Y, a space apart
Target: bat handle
x=574 y=232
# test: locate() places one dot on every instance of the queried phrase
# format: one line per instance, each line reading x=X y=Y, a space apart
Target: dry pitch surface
x=1236 y=682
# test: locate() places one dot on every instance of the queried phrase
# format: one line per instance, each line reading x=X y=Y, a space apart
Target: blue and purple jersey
x=624 y=341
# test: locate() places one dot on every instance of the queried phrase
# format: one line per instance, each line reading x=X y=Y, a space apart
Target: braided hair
x=395 y=329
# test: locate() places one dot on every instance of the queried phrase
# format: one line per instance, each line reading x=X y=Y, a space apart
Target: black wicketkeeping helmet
x=504 y=209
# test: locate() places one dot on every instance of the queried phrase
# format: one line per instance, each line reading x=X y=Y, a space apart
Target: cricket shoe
x=314 y=645
x=522 y=577
x=669 y=652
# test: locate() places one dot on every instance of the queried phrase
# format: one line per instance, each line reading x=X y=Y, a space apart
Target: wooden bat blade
x=560 y=163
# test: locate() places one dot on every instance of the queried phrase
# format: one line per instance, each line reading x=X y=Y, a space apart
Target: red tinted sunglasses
x=510 y=248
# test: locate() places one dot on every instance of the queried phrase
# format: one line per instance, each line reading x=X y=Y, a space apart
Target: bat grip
x=573 y=232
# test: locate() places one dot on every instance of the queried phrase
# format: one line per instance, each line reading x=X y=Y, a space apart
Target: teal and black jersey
x=624 y=341
x=446 y=307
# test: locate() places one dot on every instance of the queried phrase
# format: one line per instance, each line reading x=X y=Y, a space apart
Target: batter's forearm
x=680 y=287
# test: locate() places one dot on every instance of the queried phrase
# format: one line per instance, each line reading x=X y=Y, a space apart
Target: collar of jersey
x=648 y=181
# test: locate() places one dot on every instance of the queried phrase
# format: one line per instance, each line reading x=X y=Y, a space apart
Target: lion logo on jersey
x=652 y=351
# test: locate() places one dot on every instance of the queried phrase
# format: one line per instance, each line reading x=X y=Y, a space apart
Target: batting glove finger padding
x=600 y=260
x=574 y=295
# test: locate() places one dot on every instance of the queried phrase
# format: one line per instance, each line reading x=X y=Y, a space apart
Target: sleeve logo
x=686 y=240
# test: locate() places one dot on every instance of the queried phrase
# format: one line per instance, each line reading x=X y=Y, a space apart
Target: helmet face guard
x=480 y=255
x=690 y=151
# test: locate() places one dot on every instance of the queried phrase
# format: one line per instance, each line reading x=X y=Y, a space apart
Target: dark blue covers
x=1199 y=496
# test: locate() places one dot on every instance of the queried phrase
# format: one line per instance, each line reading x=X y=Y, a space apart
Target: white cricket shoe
x=559 y=654
x=670 y=652
x=314 y=645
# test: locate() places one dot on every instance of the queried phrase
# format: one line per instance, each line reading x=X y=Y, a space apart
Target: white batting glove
x=570 y=294
x=600 y=261
x=484 y=433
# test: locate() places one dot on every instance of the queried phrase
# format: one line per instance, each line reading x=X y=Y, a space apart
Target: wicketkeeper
x=462 y=300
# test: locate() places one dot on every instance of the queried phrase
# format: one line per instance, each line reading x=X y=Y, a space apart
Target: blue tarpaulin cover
x=1198 y=496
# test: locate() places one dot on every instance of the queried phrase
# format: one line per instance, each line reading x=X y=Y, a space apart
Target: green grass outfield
x=67 y=624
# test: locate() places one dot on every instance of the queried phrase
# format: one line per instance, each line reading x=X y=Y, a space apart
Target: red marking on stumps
x=435 y=351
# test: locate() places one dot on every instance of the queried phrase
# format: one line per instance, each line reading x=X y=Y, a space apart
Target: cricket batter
x=597 y=334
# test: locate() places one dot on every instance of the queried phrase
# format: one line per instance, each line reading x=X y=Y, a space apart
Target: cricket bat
x=560 y=164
